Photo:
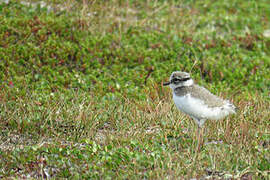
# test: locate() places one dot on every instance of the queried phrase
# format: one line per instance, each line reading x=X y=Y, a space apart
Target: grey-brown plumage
x=201 y=93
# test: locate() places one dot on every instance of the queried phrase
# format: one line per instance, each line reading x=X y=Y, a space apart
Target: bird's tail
x=231 y=108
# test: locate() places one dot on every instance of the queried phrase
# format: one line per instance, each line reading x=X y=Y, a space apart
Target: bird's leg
x=202 y=135
x=199 y=138
x=200 y=132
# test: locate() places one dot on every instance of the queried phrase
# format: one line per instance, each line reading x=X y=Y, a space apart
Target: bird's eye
x=176 y=81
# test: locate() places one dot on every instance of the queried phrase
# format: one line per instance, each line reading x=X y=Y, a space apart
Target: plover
x=196 y=101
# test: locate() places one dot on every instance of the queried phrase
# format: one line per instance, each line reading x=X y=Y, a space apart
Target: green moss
x=81 y=87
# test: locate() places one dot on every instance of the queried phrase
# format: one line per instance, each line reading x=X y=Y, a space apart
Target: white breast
x=198 y=110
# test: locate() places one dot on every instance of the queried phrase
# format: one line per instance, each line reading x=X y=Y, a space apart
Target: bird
x=196 y=101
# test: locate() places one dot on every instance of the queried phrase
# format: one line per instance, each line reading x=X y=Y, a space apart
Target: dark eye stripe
x=185 y=79
x=176 y=80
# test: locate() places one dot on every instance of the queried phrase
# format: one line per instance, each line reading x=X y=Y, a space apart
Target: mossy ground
x=81 y=93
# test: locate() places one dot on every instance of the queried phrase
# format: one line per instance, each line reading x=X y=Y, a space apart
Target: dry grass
x=104 y=132
x=233 y=147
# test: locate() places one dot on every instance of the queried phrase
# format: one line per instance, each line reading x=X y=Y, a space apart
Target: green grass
x=81 y=93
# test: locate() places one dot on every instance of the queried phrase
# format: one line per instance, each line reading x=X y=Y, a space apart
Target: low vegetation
x=81 y=89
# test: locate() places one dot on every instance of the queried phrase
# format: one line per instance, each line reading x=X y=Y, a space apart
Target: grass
x=81 y=93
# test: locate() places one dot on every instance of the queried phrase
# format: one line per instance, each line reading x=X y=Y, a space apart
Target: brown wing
x=210 y=99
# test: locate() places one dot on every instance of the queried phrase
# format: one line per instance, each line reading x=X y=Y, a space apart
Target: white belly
x=198 y=110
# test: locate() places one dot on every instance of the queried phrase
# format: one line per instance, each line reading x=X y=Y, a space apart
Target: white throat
x=185 y=83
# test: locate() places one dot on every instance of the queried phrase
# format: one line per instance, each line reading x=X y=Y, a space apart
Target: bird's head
x=179 y=79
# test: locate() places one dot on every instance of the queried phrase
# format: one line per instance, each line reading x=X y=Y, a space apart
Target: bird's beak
x=166 y=83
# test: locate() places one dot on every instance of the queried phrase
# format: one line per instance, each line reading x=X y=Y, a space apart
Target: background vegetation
x=81 y=93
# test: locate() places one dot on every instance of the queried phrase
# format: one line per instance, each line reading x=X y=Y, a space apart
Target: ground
x=81 y=92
